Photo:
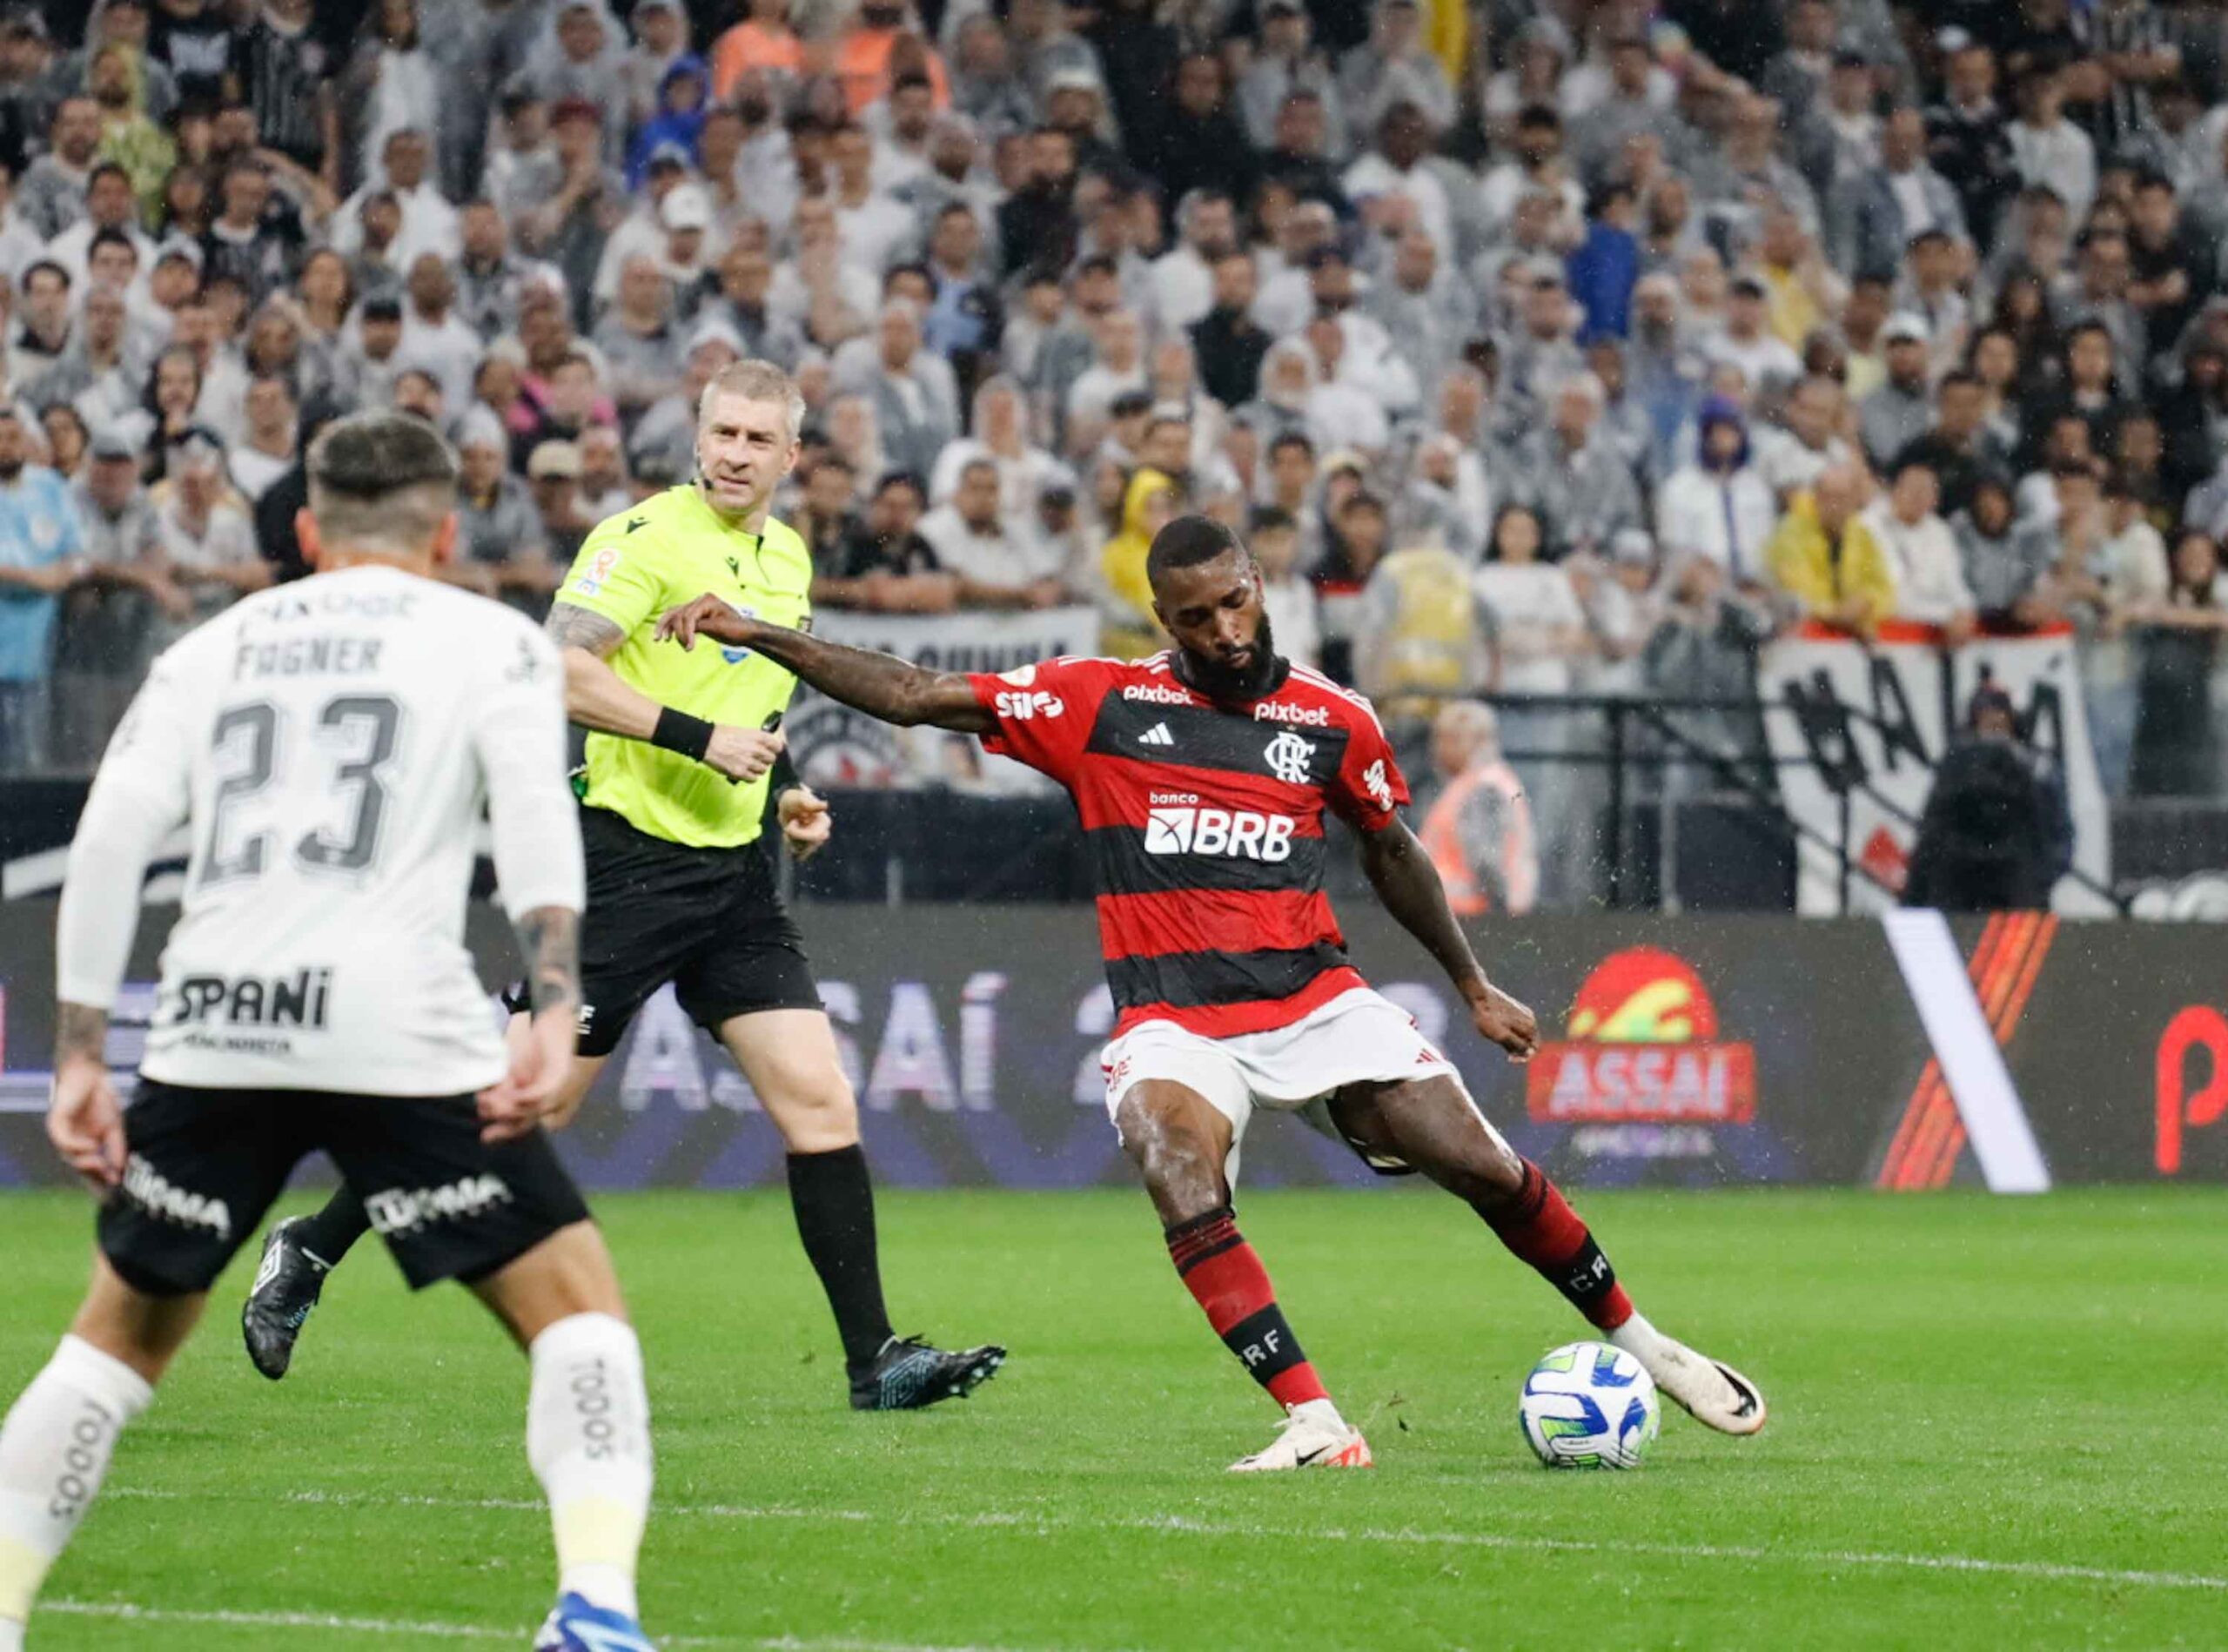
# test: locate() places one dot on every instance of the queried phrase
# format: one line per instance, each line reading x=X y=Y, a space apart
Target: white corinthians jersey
x=329 y=746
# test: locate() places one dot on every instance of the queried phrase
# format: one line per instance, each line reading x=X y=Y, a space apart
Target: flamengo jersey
x=329 y=746
x=1206 y=829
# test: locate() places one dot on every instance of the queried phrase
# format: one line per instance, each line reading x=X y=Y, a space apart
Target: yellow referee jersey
x=671 y=549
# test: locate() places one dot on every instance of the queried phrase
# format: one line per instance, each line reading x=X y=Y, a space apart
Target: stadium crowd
x=1542 y=346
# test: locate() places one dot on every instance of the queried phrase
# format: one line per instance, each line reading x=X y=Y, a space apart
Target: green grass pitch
x=1996 y=1423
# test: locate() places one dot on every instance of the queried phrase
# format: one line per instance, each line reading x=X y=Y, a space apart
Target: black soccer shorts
x=708 y=920
x=204 y=1165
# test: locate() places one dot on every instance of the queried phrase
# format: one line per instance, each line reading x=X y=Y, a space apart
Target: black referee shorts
x=708 y=920
x=204 y=1165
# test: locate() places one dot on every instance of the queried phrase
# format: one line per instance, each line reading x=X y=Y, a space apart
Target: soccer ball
x=1589 y=1406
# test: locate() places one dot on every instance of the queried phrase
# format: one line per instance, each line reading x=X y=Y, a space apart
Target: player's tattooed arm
x=80 y=1032
x=879 y=684
x=549 y=940
x=1408 y=885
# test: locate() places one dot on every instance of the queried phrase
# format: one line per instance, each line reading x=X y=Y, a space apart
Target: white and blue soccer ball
x=1589 y=1406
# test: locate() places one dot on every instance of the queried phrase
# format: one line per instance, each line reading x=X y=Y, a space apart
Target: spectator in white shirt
x=1719 y=507
x=1183 y=277
x=1792 y=458
x=2050 y=150
x=268 y=451
x=1288 y=600
x=1398 y=167
x=876 y=230
x=1765 y=360
x=1921 y=552
x=997 y=569
x=429 y=223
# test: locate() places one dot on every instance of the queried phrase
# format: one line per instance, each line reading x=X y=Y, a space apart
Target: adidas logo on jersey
x=1156 y=735
x=1235 y=832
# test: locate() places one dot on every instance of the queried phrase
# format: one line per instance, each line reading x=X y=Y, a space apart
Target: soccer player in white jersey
x=329 y=745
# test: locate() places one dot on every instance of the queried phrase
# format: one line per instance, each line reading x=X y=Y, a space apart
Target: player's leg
x=587 y=1424
x=299 y=1252
x=60 y=1435
x=789 y=1055
x=204 y=1167
x=505 y=1220
x=1182 y=1144
x=1432 y=1124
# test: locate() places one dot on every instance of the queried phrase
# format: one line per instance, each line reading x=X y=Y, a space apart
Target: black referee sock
x=328 y=1234
x=834 y=1200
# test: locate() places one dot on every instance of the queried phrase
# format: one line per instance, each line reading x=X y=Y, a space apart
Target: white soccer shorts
x=1360 y=1036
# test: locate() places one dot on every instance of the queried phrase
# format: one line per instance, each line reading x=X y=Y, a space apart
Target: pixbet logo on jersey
x=1235 y=832
x=1643 y=1049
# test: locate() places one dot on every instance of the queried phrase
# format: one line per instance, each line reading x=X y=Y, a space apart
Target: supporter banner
x=1867 y=722
x=1698 y=1052
x=834 y=746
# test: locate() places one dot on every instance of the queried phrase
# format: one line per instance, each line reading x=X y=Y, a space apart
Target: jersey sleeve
x=519 y=733
x=1369 y=787
x=1043 y=712
x=615 y=579
x=143 y=789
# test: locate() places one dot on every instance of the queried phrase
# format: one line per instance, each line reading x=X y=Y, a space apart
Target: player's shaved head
x=380 y=483
x=1187 y=542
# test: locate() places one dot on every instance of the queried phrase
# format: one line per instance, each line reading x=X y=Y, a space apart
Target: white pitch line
x=128 y=1612
x=2049 y=1571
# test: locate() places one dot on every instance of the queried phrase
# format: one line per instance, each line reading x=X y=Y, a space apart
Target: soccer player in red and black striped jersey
x=1203 y=776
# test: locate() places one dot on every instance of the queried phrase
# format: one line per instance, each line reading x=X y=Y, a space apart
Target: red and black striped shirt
x=1205 y=827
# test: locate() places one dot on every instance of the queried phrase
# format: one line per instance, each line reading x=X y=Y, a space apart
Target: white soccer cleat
x=1710 y=1391
x=1313 y=1436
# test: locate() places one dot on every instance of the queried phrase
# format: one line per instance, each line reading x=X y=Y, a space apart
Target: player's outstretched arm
x=1407 y=884
x=879 y=684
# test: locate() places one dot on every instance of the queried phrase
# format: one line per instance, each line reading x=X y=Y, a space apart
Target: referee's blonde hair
x=755 y=380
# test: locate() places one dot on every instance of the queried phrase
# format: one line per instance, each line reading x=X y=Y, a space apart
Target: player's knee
x=1180 y=1162
x=814 y=1109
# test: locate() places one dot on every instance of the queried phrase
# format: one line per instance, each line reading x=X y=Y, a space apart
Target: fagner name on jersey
x=296 y=1000
x=338 y=656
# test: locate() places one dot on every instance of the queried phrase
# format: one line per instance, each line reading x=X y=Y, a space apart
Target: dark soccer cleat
x=908 y=1375
x=286 y=1289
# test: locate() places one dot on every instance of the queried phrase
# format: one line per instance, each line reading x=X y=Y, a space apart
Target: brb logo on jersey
x=1290 y=758
x=1188 y=829
x=1022 y=708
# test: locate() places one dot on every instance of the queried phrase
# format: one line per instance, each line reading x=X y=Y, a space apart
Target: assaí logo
x=1643 y=1048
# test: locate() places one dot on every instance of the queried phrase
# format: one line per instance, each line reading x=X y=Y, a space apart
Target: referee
x=679 y=887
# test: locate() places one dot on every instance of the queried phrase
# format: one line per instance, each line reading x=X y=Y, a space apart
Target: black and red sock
x=1542 y=1230
x=1225 y=1277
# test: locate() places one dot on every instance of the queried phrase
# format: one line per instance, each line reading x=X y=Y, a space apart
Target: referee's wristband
x=678 y=731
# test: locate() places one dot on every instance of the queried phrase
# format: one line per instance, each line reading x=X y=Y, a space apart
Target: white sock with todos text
x=54 y=1448
x=588 y=1436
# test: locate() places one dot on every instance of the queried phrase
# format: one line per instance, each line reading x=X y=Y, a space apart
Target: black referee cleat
x=908 y=1375
x=286 y=1287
